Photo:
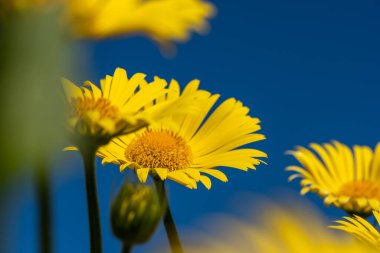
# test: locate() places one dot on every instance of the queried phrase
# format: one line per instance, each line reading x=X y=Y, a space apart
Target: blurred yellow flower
x=117 y=107
x=348 y=179
x=277 y=230
x=187 y=147
x=164 y=21
x=161 y=20
x=361 y=229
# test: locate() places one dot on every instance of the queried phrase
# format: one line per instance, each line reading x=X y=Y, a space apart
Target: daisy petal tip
x=71 y=148
x=304 y=191
x=289 y=152
x=123 y=167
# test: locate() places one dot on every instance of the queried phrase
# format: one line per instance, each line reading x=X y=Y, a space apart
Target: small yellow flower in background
x=361 y=229
x=348 y=179
x=187 y=147
x=276 y=230
x=164 y=21
x=117 y=107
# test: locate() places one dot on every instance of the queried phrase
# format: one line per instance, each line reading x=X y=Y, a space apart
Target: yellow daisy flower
x=117 y=107
x=361 y=229
x=348 y=179
x=161 y=20
x=187 y=147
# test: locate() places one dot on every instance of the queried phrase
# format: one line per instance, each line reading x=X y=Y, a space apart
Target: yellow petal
x=162 y=173
x=142 y=174
x=215 y=173
x=206 y=182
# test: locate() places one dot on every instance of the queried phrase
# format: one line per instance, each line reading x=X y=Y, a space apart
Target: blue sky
x=310 y=70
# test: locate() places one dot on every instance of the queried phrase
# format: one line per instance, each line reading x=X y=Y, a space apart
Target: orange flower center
x=159 y=149
x=360 y=189
x=81 y=106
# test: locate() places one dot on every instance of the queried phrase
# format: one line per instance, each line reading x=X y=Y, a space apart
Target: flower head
x=161 y=20
x=361 y=229
x=348 y=179
x=117 y=107
x=187 y=147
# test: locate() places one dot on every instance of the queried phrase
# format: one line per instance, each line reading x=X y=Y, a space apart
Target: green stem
x=170 y=228
x=44 y=210
x=126 y=248
x=92 y=199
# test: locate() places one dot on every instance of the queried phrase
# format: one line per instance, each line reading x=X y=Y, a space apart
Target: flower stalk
x=170 y=228
x=44 y=204
x=126 y=248
x=88 y=154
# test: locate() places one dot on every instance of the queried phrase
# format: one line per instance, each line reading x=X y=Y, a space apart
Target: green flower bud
x=135 y=213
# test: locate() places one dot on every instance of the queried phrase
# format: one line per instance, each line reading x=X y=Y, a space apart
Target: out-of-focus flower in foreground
x=348 y=179
x=33 y=53
x=279 y=230
x=117 y=107
x=164 y=21
x=187 y=147
x=361 y=229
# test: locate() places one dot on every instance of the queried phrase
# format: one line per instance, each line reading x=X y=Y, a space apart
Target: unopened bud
x=135 y=213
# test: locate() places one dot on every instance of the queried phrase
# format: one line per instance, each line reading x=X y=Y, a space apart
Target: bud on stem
x=135 y=214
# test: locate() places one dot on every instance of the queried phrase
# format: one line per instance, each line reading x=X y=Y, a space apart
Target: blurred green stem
x=43 y=198
x=170 y=228
x=126 y=248
x=88 y=154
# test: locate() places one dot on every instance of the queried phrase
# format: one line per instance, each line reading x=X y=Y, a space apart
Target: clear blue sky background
x=309 y=69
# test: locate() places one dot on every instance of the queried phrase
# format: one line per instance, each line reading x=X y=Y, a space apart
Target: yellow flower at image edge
x=361 y=229
x=187 y=147
x=162 y=20
x=277 y=230
x=117 y=107
x=348 y=179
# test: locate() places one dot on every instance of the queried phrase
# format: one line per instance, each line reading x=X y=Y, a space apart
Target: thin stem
x=92 y=199
x=170 y=228
x=44 y=206
x=126 y=248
